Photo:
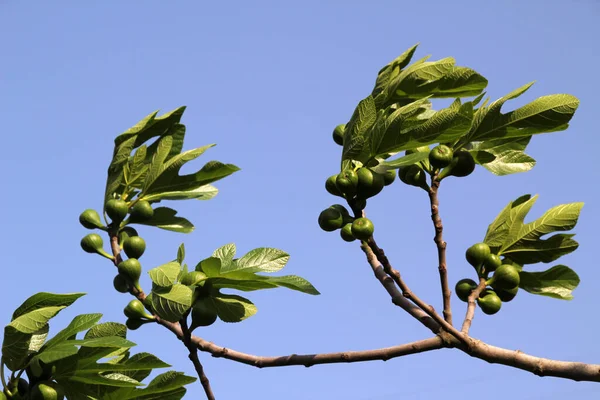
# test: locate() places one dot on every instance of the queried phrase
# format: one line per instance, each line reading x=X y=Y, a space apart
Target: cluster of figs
x=128 y=278
x=42 y=387
x=357 y=185
x=502 y=286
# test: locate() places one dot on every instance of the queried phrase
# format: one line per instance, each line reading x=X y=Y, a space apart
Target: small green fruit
x=369 y=183
x=134 y=246
x=126 y=232
x=362 y=228
x=203 y=313
x=93 y=243
x=413 y=175
x=193 y=278
x=464 y=287
x=136 y=310
x=47 y=391
x=132 y=270
x=506 y=295
x=346 y=182
x=90 y=219
x=506 y=277
x=134 y=323
x=477 y=254
x=331 y=187
x=338 y=134
x=117 y=210
x=346 y=233
x=142 y=211
x=343 y=210
x=441 y=156
x=462 y=164
x=121 y=284
x=389 y=177
x=492 y=262
x=330 y=219
x=489 y=302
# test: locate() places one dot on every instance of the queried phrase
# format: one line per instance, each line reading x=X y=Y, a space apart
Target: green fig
x=389 y=177
x=338 y=134
x=136 y=310
x=477 y=254
x=343 y=210
x=492 y=262
x=126 y=232
x=132 y=270
x=506 y=277
x=462 y=165
x=362 y=228
x=116 y=209
x=193 y=278
x=346 y=233
x=440 y=156
x=134 y=323
x=90 y=219
x=142 y=211
x=93 y=243
x=134 y=247
x=47 y=391
x=464 y=287
x=489 y=302
x=203 y=313
x=121 y=284
x=506 y=295
x=413 y=175
x=369 y=183
x=331 y=187
x=346 y=182
x=330 y=219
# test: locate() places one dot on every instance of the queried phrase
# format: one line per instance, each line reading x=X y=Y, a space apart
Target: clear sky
x=267 y=81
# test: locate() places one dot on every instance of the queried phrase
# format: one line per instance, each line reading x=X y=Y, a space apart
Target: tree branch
x=441 y=246
x=193 y=356
x=472 y=304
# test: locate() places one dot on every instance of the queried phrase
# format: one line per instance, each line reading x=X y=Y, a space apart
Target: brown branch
x=441 y=246
x=471 y=305
x=193 y=356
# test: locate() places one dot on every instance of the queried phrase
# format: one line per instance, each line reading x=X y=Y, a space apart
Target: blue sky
x=268 y=81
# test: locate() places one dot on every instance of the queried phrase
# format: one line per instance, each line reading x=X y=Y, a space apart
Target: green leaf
x=357 y=128
x=232 y=308
x=43 y=300
x=211 y=266
x=293 y=282
x=403 y=161
x=181 y=253
x=503 y=157
x=225 y=254
x=246 y=285
x=498 y=231
x=57 y=352
x=459 y=82
x=392 y=70
x=557 y=282
x=205 y=192
x=139 y=362
x=107 y=329
x=171 y=303
x=115 y=379
x=163 y=383
x=107 y=341
x=259 y=260
x=17 y=346
x=78 y=324
x=165 y=218
x=35 y=320
x=166 y=274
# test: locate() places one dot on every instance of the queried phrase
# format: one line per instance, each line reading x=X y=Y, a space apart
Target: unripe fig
x=506 y=277
x=389 y=176
x=203 y=314
x=90 y=219
x=135 y=310
x=338 y=134
x=440 y=156
x=343 y=210
x=462 y=164
x=346 y=233
x=116 y=209
x=331 y=187
x=121 y=284
x=330 y=219
x=126 y=232
x=369 y=183
x=506 y=295
x=132 y=270
x=362 y=228
x=134 y=247
x=477 y=254
x=489 y=302
x=413 y=175
x=492 y=262
x=93 y=243
x=134 y=323
x=464 y=287
x=347 y=182
x=47 y=391
x=193 y=278
x=142 y=211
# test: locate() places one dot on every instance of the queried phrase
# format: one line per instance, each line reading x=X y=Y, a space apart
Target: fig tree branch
x=471 y=305
x=193 y=356
x=441 y=246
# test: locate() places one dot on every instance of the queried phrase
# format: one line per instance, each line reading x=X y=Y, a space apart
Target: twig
x=193 y=356
x=441 y=246
x=471 y=305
